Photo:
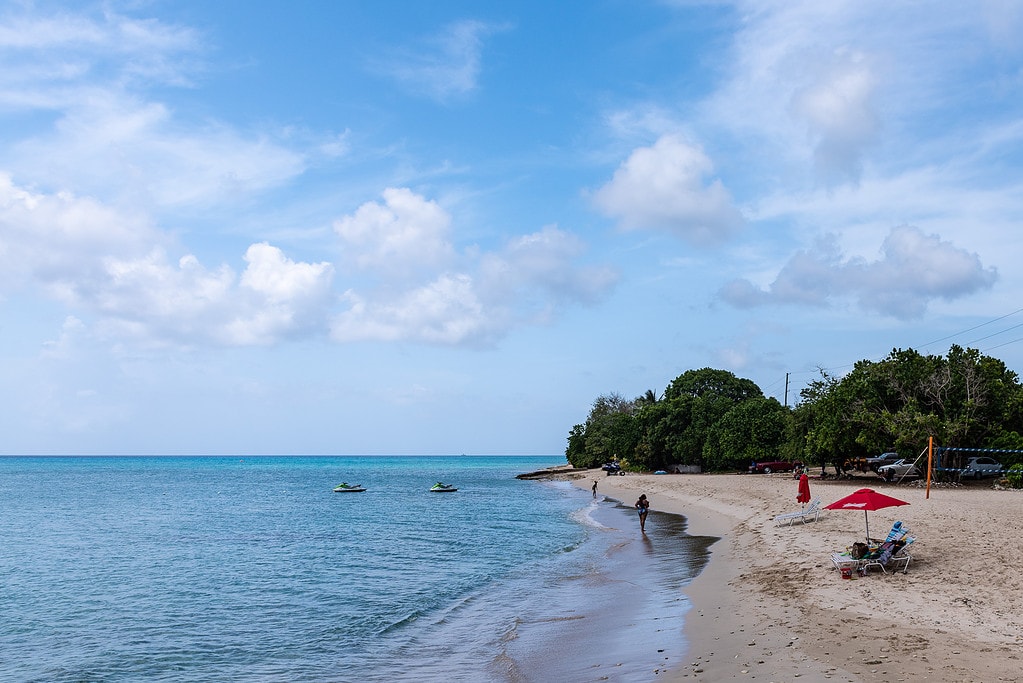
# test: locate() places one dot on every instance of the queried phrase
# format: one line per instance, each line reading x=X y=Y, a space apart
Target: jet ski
x=441 y=487
x=345 y=487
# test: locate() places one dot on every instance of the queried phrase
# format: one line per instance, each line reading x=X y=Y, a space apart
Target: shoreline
x=770 y=605
x=613 y=612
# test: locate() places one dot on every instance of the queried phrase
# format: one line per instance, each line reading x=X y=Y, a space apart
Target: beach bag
x=859 y=551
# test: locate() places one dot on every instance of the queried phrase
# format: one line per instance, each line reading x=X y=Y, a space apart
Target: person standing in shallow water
x=643 y=507
x=594 y=488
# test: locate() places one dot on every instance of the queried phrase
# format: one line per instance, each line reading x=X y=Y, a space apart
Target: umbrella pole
x=867 y=520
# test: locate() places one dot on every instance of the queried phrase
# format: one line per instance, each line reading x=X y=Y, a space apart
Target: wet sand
x=618 y=618
x=770 y=606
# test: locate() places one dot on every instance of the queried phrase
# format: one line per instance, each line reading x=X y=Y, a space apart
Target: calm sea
x=252 y=569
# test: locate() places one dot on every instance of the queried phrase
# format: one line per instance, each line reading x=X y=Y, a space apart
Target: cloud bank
x=913 y=268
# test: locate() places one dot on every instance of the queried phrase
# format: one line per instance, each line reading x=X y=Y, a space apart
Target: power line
x=975 y=327
x=996 y=333
x=951 y=336
x=1004 y=344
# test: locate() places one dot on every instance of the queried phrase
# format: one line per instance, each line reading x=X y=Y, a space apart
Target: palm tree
x=648 y=398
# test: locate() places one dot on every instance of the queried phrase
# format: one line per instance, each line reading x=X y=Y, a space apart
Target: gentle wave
x=585 y=516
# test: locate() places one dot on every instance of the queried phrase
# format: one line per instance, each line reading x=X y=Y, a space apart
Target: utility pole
x=786 y=390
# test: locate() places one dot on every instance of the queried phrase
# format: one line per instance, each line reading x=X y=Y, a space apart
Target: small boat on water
x=441 y=487
x=345 y=487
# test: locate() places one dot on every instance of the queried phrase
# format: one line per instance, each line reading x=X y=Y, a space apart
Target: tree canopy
x=718 y=421
x=702 y=419
x=963 y=399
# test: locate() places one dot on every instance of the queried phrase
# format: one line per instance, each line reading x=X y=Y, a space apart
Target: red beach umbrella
x=803 y=496
x=865 y=499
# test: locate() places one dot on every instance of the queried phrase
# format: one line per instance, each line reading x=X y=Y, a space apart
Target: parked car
x=900 y=469
x=883 y=459
x=982 y=466
x=773 y=466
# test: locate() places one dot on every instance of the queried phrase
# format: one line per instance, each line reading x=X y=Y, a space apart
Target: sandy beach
x=772 y=607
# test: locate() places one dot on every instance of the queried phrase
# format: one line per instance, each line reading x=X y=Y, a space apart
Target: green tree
x=711 y=383
x=576 y=451
x=701 y=398
x=610 y=431
x=648 y=398
x=964 y=399
x=751 y=430
x=662 y=427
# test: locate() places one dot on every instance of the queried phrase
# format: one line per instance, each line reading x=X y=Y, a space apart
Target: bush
x=1015 y=476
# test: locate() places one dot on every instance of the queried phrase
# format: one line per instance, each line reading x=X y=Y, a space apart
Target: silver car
x=900 y=469
x=982 y=467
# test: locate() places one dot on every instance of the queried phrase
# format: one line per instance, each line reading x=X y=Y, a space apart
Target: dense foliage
x=962 y=400
x=718 y=421
x=1015 y=476
x=706 y=417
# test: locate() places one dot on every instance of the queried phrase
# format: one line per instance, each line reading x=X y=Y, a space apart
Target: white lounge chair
x=812 y=510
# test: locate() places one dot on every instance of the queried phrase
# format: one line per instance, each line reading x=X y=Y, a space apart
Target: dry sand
x=770 y=606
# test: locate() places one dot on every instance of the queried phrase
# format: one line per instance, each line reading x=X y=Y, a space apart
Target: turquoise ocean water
x=252 y=569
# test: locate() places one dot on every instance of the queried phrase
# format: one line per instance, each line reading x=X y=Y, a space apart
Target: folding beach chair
x=889 y=554
x=892 y=553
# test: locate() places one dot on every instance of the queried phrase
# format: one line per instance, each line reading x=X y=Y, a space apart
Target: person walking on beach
x=643 y=507
x=594 y=488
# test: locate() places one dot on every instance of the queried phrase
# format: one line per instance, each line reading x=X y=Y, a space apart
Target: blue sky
x=446 y=227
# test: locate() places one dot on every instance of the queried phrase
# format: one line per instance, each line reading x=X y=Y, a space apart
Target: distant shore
x=770 y=605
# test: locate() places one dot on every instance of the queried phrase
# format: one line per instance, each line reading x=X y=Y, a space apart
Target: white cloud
x=840 y=115
x=288 y=297
x=444 y=311
x=538 y=266
x=114 y=268
x=437 y=295
x=114 y=271
x=913 y=269
x=51 y=240
x=448 y=65
x=153 y=301
x=642 y=121
x=48 y=59
x=136 y=152
x=278 y=278
x=666 y=187
x=823 y=91
x=405 y=234
x=81 y=77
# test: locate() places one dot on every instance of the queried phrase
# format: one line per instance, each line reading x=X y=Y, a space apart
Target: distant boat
x=345 y=487
x=441 y=487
